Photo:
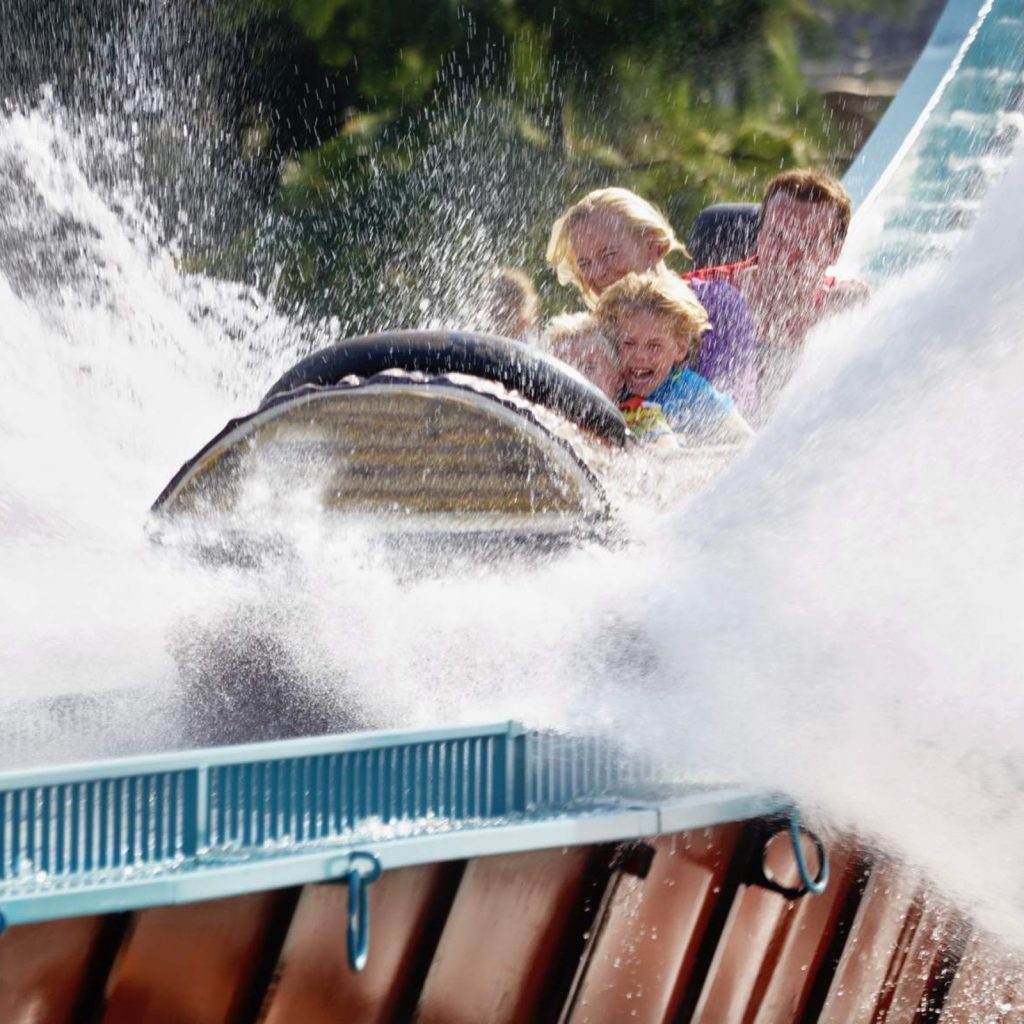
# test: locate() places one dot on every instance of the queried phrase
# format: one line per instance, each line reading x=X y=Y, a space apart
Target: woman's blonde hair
x=655 y=292
x=638 y=214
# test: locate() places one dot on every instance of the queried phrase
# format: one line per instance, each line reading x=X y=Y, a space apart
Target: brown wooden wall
x=668 y=931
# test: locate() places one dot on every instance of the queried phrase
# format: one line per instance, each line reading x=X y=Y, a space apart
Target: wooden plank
x=812 y=924
x=642 y=960
x=759 y=932
x=931 y=961
x=510 y=931
x=201 y=963
x=55 y=971
x=314 y=983
x=882 y=931
x=989 y=985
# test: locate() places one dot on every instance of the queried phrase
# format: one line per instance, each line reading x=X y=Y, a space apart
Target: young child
x=613 y=232
x=512 y=305
x=577 y=339
x=657 y=324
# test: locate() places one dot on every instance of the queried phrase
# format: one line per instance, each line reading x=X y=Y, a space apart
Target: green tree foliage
x=412 y=144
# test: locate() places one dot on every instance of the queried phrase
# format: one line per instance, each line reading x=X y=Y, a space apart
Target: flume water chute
x=526 y=875
x=920 y=179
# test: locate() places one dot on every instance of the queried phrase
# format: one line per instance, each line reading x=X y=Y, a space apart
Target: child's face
x=607 y=249
x=594 y=362
x=649 y=346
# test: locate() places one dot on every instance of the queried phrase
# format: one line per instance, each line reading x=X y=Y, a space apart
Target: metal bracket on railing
x=809 y=884
x=358 y=878
x=815 y=886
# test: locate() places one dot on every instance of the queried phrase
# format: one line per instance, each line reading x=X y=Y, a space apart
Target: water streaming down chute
x=965 y=99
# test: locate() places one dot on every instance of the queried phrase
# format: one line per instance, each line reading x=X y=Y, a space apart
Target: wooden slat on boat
x=772 y=947
x=505 y=940
x=648 y=946
x=201 y=963
x=408 y=908
x=989 y=985
x=54 y=972
x=859 y=986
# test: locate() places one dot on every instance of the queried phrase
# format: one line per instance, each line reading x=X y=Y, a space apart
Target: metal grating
x=140 y=816
x=64 y=829
x=563 y=770
x=126 y=816
x=339 y=795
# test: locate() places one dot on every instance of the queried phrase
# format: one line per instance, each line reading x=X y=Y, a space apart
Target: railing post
x=195 y=834
x=517 y=754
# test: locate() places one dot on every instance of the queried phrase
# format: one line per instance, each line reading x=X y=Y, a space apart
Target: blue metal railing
x=60 y=823
x=195 y=825
x=65 y=828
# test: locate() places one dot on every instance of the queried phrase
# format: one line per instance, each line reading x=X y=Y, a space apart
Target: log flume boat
x=489 y=873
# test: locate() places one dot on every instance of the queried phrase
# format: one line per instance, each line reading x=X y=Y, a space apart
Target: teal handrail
x=194 y=825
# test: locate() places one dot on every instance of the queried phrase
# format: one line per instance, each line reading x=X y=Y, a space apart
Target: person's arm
x=844 y=295
x=728 y=356
x=734 y=429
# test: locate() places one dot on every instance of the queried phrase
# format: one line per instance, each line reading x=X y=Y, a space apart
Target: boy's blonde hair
x=661 y=293
x=637 y=213
x=566 y=328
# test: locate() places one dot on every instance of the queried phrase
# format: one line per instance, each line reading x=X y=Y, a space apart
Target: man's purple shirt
x=728 y=352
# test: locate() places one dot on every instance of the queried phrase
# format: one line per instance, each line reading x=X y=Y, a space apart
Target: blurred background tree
x=426 y=141
x=373 y=159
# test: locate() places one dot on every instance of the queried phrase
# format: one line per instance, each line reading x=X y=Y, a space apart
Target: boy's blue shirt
x=691 y=405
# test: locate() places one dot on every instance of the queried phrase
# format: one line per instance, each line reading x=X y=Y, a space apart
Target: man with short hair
x=805 y=216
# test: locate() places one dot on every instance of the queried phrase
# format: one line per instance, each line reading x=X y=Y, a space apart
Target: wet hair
x=634 y=211
x=568 y=327
x=513 y=306
x=662 y=293
x=813 y=187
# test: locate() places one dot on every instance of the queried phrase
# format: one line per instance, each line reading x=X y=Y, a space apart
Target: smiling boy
x=657 y=324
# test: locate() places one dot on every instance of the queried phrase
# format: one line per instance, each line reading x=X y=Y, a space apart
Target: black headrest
x=724 y=233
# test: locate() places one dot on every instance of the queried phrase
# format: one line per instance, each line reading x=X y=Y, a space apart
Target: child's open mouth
x=641 y=376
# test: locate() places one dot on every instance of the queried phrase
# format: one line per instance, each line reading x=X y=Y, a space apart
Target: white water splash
x=836 y=617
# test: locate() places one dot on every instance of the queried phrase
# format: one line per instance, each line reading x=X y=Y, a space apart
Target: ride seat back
x=724 y=233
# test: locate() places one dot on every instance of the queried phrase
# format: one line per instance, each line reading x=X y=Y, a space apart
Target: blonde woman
x=612 y=232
